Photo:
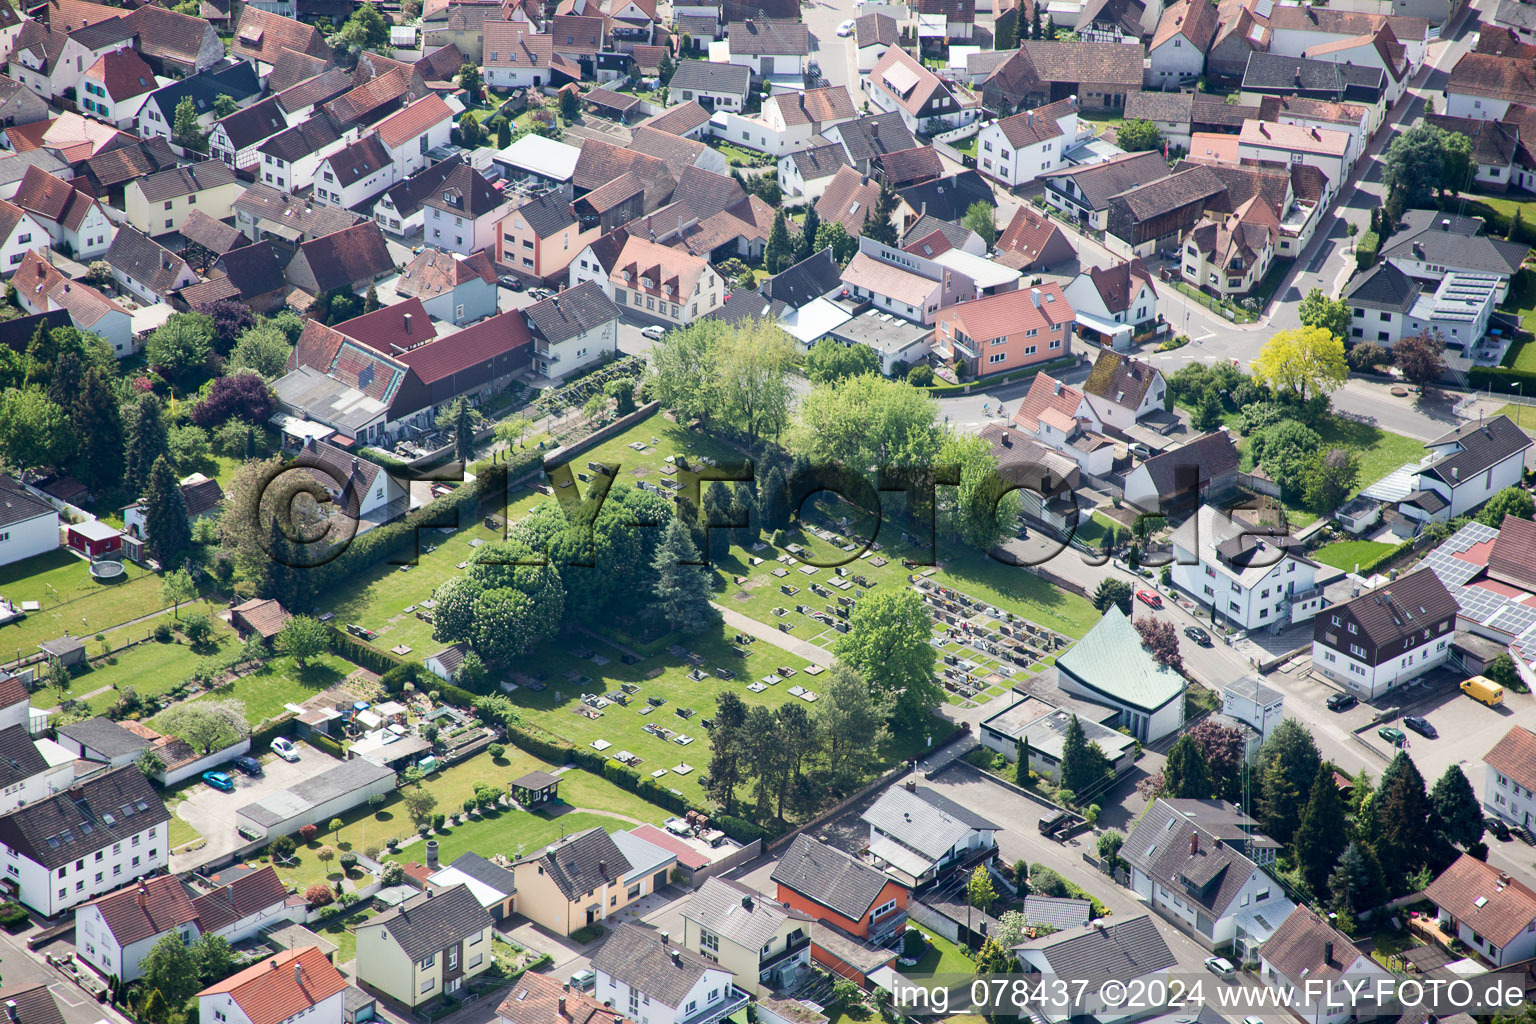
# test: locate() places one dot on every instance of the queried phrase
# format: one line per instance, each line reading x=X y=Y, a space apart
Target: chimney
x=561 y=1009
x=1328 y=953
x=1055 y=387
x=354 y=463
x=143 y=895
x=746 y=902
x=1445 y=224
x=602 y=868
x=407 y=323
x=665 y=937
x=1194 y=843
x=1034 y=297
x=10 y=1011
x=911 y=785
x=677 y=957
x=298 y=973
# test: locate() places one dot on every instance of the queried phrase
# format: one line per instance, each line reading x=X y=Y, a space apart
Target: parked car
x=1220 y=965
x=1341 y=702
x=846 y=28
x=1496 y=825
x=583 y=980
x=1392 y=735
x=1198 y=635
x=284 y=748
x=511 y=281
x=218 y=780
x=248 y=765
x=1150 y=598
x=654 y=332
x=1139 y=450
x=1421 y=725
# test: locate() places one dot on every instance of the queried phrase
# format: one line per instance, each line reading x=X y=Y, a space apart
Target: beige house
x=579 y=881
x=653 y=280
x=428 y=946
x=161 y=203
x=764 y=944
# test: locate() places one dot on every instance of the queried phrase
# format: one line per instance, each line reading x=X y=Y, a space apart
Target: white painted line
x=63 y=989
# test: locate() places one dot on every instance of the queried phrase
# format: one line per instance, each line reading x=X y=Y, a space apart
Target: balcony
x=788 y=952
x=734 y=1000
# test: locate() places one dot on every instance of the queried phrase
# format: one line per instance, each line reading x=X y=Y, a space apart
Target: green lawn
x=72 y=602
x=281 y=682
x=943 y=957
x=1101 y=529
x=151 y=668
x=1349 y=553
x=343 y=932
x=1522 y=299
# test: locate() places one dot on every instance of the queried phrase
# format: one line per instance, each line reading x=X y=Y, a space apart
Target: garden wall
x=218 y=757
x=563 y=455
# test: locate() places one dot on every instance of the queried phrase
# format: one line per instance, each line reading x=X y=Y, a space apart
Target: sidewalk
x=742 y=624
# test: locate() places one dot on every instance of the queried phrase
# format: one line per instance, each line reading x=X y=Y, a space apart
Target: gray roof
x=582 y=862
x=664 y=971
x=429 y=923
x=1120 y=949
x=868 y=137
x=923 y=820
x=1516 y=14
x=813 y=277
x=1479 y=445
x=1057 y=911
x=1102 y=181
x=104 y=736
x=316 y=394
x=17 y=504
x=830 y=877
x=819 y=161
x=1111 y=660
x=1383 y=287
x=1454 y=242
x=708 y=76
x=548 y=213
x=1252 y=688
x=1170 y=847
x=1308 y=76
x=347 y=777
x=572 y=312
x=735 y=912
x=485 y=872
x=19 y=757
x=93 y=814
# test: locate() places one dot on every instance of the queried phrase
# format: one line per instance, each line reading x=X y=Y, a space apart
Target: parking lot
x=212 y=811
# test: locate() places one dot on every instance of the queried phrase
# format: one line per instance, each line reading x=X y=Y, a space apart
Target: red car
x=1150 y=598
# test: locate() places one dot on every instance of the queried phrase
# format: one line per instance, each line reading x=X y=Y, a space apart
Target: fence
x=748 y=853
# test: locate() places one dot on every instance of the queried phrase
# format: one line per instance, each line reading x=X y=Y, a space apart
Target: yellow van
x=1483 y=689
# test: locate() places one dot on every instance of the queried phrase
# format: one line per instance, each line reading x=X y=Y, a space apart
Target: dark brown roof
x=1076 y=62
x=1191 y=184
x=1483 y=74
x=1100 y=182
x=601 y=162
x=149 y=908
x=1515 y=754
x=1493 y=142
x=116 y=804
x=1513 y=556
x=1119 y=379
x=357 y=161
x=145 y=260
x=1213 y=455
x=311 y=92
x=1404 y=608
x=466 y=193
x=910 y=166
x=356 y=254
x=34 y=1003
x=249 y=893
x=1305 y=947
x=264 y=36
x=292 y=68
x=256 y=122
x=213 y=235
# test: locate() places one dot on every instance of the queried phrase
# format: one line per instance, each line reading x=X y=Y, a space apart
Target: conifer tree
x=147 y=443
x=682 y=588
x=99 y=427
x=1322 y=833
x=165 y=517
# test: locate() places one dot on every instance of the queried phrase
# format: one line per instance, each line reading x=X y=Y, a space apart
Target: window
x=453 y=959
x=429 y=961
x=882 y=909
x=428 y=985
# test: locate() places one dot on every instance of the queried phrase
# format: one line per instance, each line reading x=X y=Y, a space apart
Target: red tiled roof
x=140 y=911
x=1484 y=899
x=1043 y=394
x=269 y=992
x=497 y=336
x=687 y=856
x=1515 y=754
x=123 y=74
x=265 y=616
x=848 y=199
x=1029 y=233
x=394 y=329
x=404 y=125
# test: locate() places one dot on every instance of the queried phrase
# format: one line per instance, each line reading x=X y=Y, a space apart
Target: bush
x=739 y=829
x=347 y=860
x=308 y=833
x=282 y=848
x=913 y=944
x=1367 y=249
x=163 y=633
x=496 y=750
x=13 y=916
x=319 y=895
x=439 y=820
x=320 y=741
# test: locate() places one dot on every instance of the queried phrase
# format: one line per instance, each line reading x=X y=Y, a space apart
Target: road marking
x=61 y=989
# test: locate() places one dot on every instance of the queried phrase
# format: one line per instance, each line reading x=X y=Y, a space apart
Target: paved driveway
x=212 y=812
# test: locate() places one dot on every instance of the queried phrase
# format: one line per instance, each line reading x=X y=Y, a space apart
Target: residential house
x=32 y=1003
x=908 y=167
x=40 y=288
x=20 y=105
x=462 y=25
x=1204 y=886
x=161 y=203
x=76 y=223
x=1332 y=979
x=108 y=174
x=291 y=159
x=1085 y=192
x=919 y=836
x=1486 y=909
x=175 y=44
x=573 y=330
x=1104 y=298
x=1354 y=118
x=1032 y=241
x=55 y=862
x=1146 y=218
x=1229 y=255
x=577 y=882
x=905 y=284
x=1250 y=575
x=1130 y=950
x=1060 y=418
x=899 y=83
x=1509 y=777
x=252 y=274
x=201 y=496
x=1270 y=74
x=1113 y=21
x=1470 y=464
x=263 y=37
x=688 y=120
x=1323 y=148
x=543 y=999
x=666 y=284
x=267 y=213
x=50 y=60
x=426 y=947
x=849 y=199
x=1428 y=245
x=763 y=944
x=1007 y=331
x=401 y=210
x=300 y=982
x=1110 y=667
x=540 y=238
x=459 y=289
x=1176 y=54
x=873 y=34
x=1483 y=85
x=867 y=139
x=1294 y=194
x=157 y=118
x=413 y=131
x=769 y=48
x=518 y=58
x=1122 y=391
x=118 y=930
x=1494 y=145
x=1387 y=636
x=654 y=982
x=1100 y=74
x=808 y=172
x=854 y=906
x=26 y=774
x=114 y=88
x=1386 y=305
x=300 y=101
x=464 y=213
x=235 y=139
x=145 y=268
x=355 y=174
x=1022 y=147
x=350 y=259
x=20 y=233
x=715 y=86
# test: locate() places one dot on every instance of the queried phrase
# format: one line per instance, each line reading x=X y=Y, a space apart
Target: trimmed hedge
x=1367 y=249
x=739 y=829
x=1501 y=379
x=1366 y=568
x=394 y=681
x=263 y=735
x=354 y=650
x=327 y=744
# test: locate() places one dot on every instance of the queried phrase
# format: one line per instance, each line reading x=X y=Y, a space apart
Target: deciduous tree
x=170 y=969
x=1302 y=360
x=1419 y=356
x=1161 y=638
x=208 y=725
x=176 y=588
x=179 y=348
x=830 y=361
x=263 y=349
x=303 y=638
x=887 y=641
x=981 y=218
x=1318 y=310
x=243 y=395
x=1135 y=135
x=1511 y=501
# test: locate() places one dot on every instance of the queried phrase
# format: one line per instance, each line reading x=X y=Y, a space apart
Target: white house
x=414 y=130
x=1481 y=85
x=1322 y=967
x=904 y=283
x=573 y=330
x=917 y=835
x=235 y=138
x=75 y=221
x=653 y=980
x=808 y=172
x=40 y=287
x=1252 y=578
x=290 y=159
x=1472 y=463
x=898 y=82
x=463 y=213
x=1122 y=294
x=1202 y=885
x=1022 y=147
x=296 y=983
x=1130 y=950
x=1324 y=148
x=768 y=47
x=1257 y=706
x=355 y=173
x=1122 y=390
x=1060 y=417
x=714 y=85
x=1509 y=780
x=1486 y=909
x=55 y=862
x=26 y=773
x=1109 y=666
x=1387 y=636
x=20 y=233
x=1176 y=54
